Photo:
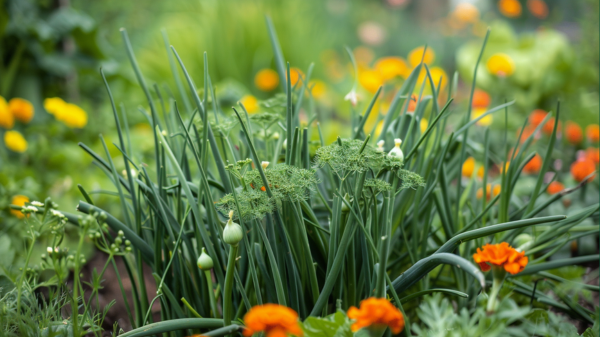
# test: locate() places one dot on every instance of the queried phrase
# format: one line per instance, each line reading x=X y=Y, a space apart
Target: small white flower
x=56 y=213
x=49 y=250
x=396 y=152
x=37 y=203
x=351 y=96
x=264 y=164
x=32 y=208
x=380 y=145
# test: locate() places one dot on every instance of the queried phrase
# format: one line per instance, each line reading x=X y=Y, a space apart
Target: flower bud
x=232 y=233
x=284 y=145
x=264 y=165
x=380 y=145
x=396 y=153
x=205 y=262
x=523 y=242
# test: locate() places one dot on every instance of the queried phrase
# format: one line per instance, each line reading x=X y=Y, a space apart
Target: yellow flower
x=15 y=142
x=7 y=120
x=415 y=56
x=266 y=79
x=250 y=103
x=423 y=125
x=21 y=109
x=437 y=74
x=370 y=80
x=70 y=114
x=501 y=64
x=468 y=167
x=485 y=121
x=317 y=88
x=18 y=200
x=390 y=67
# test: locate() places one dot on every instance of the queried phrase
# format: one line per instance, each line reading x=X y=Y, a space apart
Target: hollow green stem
x=228 y=289
x=211 y=293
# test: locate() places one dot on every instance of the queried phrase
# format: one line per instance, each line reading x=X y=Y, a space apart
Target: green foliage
x=348 y=156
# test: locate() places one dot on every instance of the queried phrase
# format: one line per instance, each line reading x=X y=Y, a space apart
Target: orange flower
x=538 y=8
x=534 y=165
x=574 y=133
x=376 y=312
x=549 y=126
x=371 y=80
x=18 y=200
x=468 y=167
x=416 y=55
x=593 y=154
x=527 y=132
x=501 y=255
x=510 y=8
x=466 y=12
x=555 y=187
x=266 y=79
x=21 y=109
x=412 y=103
x=537 y=117
x=583 y=168
x=295 y=76
x=481 y=99
x=489 y=191
x=274 y=319
x=7 y=120
x=593 y=133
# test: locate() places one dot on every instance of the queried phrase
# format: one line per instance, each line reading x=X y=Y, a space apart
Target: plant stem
x=228 y=289
x=74 y=301
x=22 y=280
x=211 y=293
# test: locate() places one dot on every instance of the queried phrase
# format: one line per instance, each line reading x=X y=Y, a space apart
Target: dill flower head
x=481 y=99
x=501 y=65
x=21 y=109
x=15 y=141
x=250 y=103
x=574 y=133
x=555 y=187
x=510 y=8
x=273 y=319
x=592 y=133
x=391 y=67
x=266 y=79
x=415 y=56
x=501 y=255
x=534 y=165
x=348 y=158
x=7 y=120
x=583 y=168
x=376 y=313
x=18 y=200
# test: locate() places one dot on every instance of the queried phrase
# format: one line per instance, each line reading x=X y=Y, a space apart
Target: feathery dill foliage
x=410 y=179
x=376 y=186
x=287 y=183
x=348 y=158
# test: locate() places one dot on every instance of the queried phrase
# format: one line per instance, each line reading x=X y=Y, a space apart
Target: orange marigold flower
x=18 y=200
x=376 y=312
x=15 y=141
x=481 y=99
x=489 y=191
x=412 y=103
x=7 y=120
x=510 y=8
x=501 y=65
x=466 y=12
x=371 y=80
x=534 y=165
x=555 y=187
x=416 y=55
x=390 y=67
x=574 y=133
x=468 y=167
x=274 y=319
x=501 y=255
x=593 y=154
x=266 y=79
x=583 y=168
x=593 y=133
x=250 y=103
x=295 y=76
x=537 y=117
x=527 y=132
x=538 y=8
x=21 y=109
x=549 y=126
